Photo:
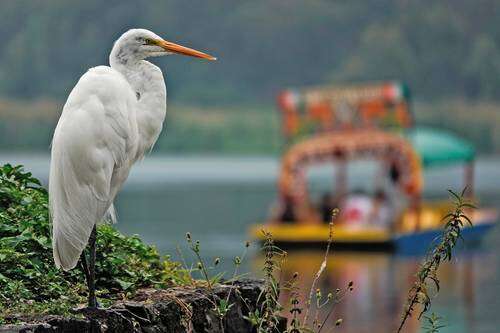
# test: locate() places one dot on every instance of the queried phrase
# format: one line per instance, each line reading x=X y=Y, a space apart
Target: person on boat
x=381 y=214
x=287 y=214
x=356 y=208
x=326 y=207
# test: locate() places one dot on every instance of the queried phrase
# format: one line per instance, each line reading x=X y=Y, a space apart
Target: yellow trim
x=319 y=233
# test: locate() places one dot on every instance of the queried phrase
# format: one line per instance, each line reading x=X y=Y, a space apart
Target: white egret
x=112 y=117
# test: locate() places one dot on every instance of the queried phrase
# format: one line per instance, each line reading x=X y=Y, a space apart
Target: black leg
x=91 y=280
x=85 y=267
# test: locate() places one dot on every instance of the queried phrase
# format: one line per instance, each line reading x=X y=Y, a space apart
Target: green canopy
x=437 y=147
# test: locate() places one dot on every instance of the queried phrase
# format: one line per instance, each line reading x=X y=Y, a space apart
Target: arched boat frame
x=345 y=146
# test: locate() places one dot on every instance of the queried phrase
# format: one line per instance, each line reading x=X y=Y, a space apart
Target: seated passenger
x=326 y=206
x=287 y=213
x=356 y=208
x=381 y=214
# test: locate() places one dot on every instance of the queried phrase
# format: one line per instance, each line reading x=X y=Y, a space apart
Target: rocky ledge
x=174 y=310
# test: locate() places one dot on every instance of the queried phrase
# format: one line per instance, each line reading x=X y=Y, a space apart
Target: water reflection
x=381 y=283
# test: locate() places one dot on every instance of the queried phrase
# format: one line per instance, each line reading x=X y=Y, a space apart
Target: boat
x=340 y=124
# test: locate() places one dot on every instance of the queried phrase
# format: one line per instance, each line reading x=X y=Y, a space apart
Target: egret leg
x=85 y=267
x=91 y=270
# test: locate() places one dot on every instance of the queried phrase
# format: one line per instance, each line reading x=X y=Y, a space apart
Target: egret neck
x=146 y=80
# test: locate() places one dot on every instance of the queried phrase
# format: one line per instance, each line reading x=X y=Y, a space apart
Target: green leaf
x=124 y=284
x=456 y=196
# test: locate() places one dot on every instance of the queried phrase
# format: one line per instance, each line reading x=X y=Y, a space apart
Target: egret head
x=139 y=44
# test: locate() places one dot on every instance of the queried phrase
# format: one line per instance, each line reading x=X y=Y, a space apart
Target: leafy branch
x=427 y=274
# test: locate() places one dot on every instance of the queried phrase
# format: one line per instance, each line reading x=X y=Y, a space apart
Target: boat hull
x=303 y=235
x=417 y=242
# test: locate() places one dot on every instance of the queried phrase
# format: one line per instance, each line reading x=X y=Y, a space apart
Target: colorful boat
x=338 y=125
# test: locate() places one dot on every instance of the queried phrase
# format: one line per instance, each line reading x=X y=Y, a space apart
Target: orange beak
x=176 y=48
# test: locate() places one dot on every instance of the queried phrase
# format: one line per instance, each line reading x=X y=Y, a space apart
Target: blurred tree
x=482 y=70
x=444 y=48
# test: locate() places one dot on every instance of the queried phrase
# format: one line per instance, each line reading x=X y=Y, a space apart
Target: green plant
x=28 y=277
x=433 y=323
x=332 y=299
x=224 y=305
x=267 y=317
x=202 y=267
x=270 y=305
x=427 y=273
x=321 y=270
x=295 y=306
x=30 y=284
x=210 y=276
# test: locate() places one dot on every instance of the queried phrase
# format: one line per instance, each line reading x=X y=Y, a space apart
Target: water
x=216 y=199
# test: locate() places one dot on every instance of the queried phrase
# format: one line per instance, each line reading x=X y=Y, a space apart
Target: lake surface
x=217 y=198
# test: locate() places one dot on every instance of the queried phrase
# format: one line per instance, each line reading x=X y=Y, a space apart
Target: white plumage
x=112 y=117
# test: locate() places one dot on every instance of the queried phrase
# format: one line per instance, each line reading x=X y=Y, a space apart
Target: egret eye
x=148 y=41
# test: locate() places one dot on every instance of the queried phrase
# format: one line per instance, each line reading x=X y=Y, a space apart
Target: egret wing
x=92 y=143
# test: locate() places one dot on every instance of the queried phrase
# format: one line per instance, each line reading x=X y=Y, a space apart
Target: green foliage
x=329 y=302
x=427 y=275
x=300 y=323
x=28 y=277
x=266 y=317
x=230 y=129
x=125 y=263
x=239 y=130
x=29 y=280
x=434 y=323
x=270 y=303
x=440 y=48
x=473 y=121
x=444 y=50
x=202 y=267
x=211 y=277
x=242 y=130
x=269 y=312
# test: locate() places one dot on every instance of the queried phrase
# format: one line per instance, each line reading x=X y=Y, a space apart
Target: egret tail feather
x=65 y=255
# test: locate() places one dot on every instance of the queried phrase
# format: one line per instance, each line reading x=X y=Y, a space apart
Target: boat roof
x=440 y=147
x=377 y=106
x=316 y=110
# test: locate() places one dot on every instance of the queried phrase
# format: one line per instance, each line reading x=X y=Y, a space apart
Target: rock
x=175 y=310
